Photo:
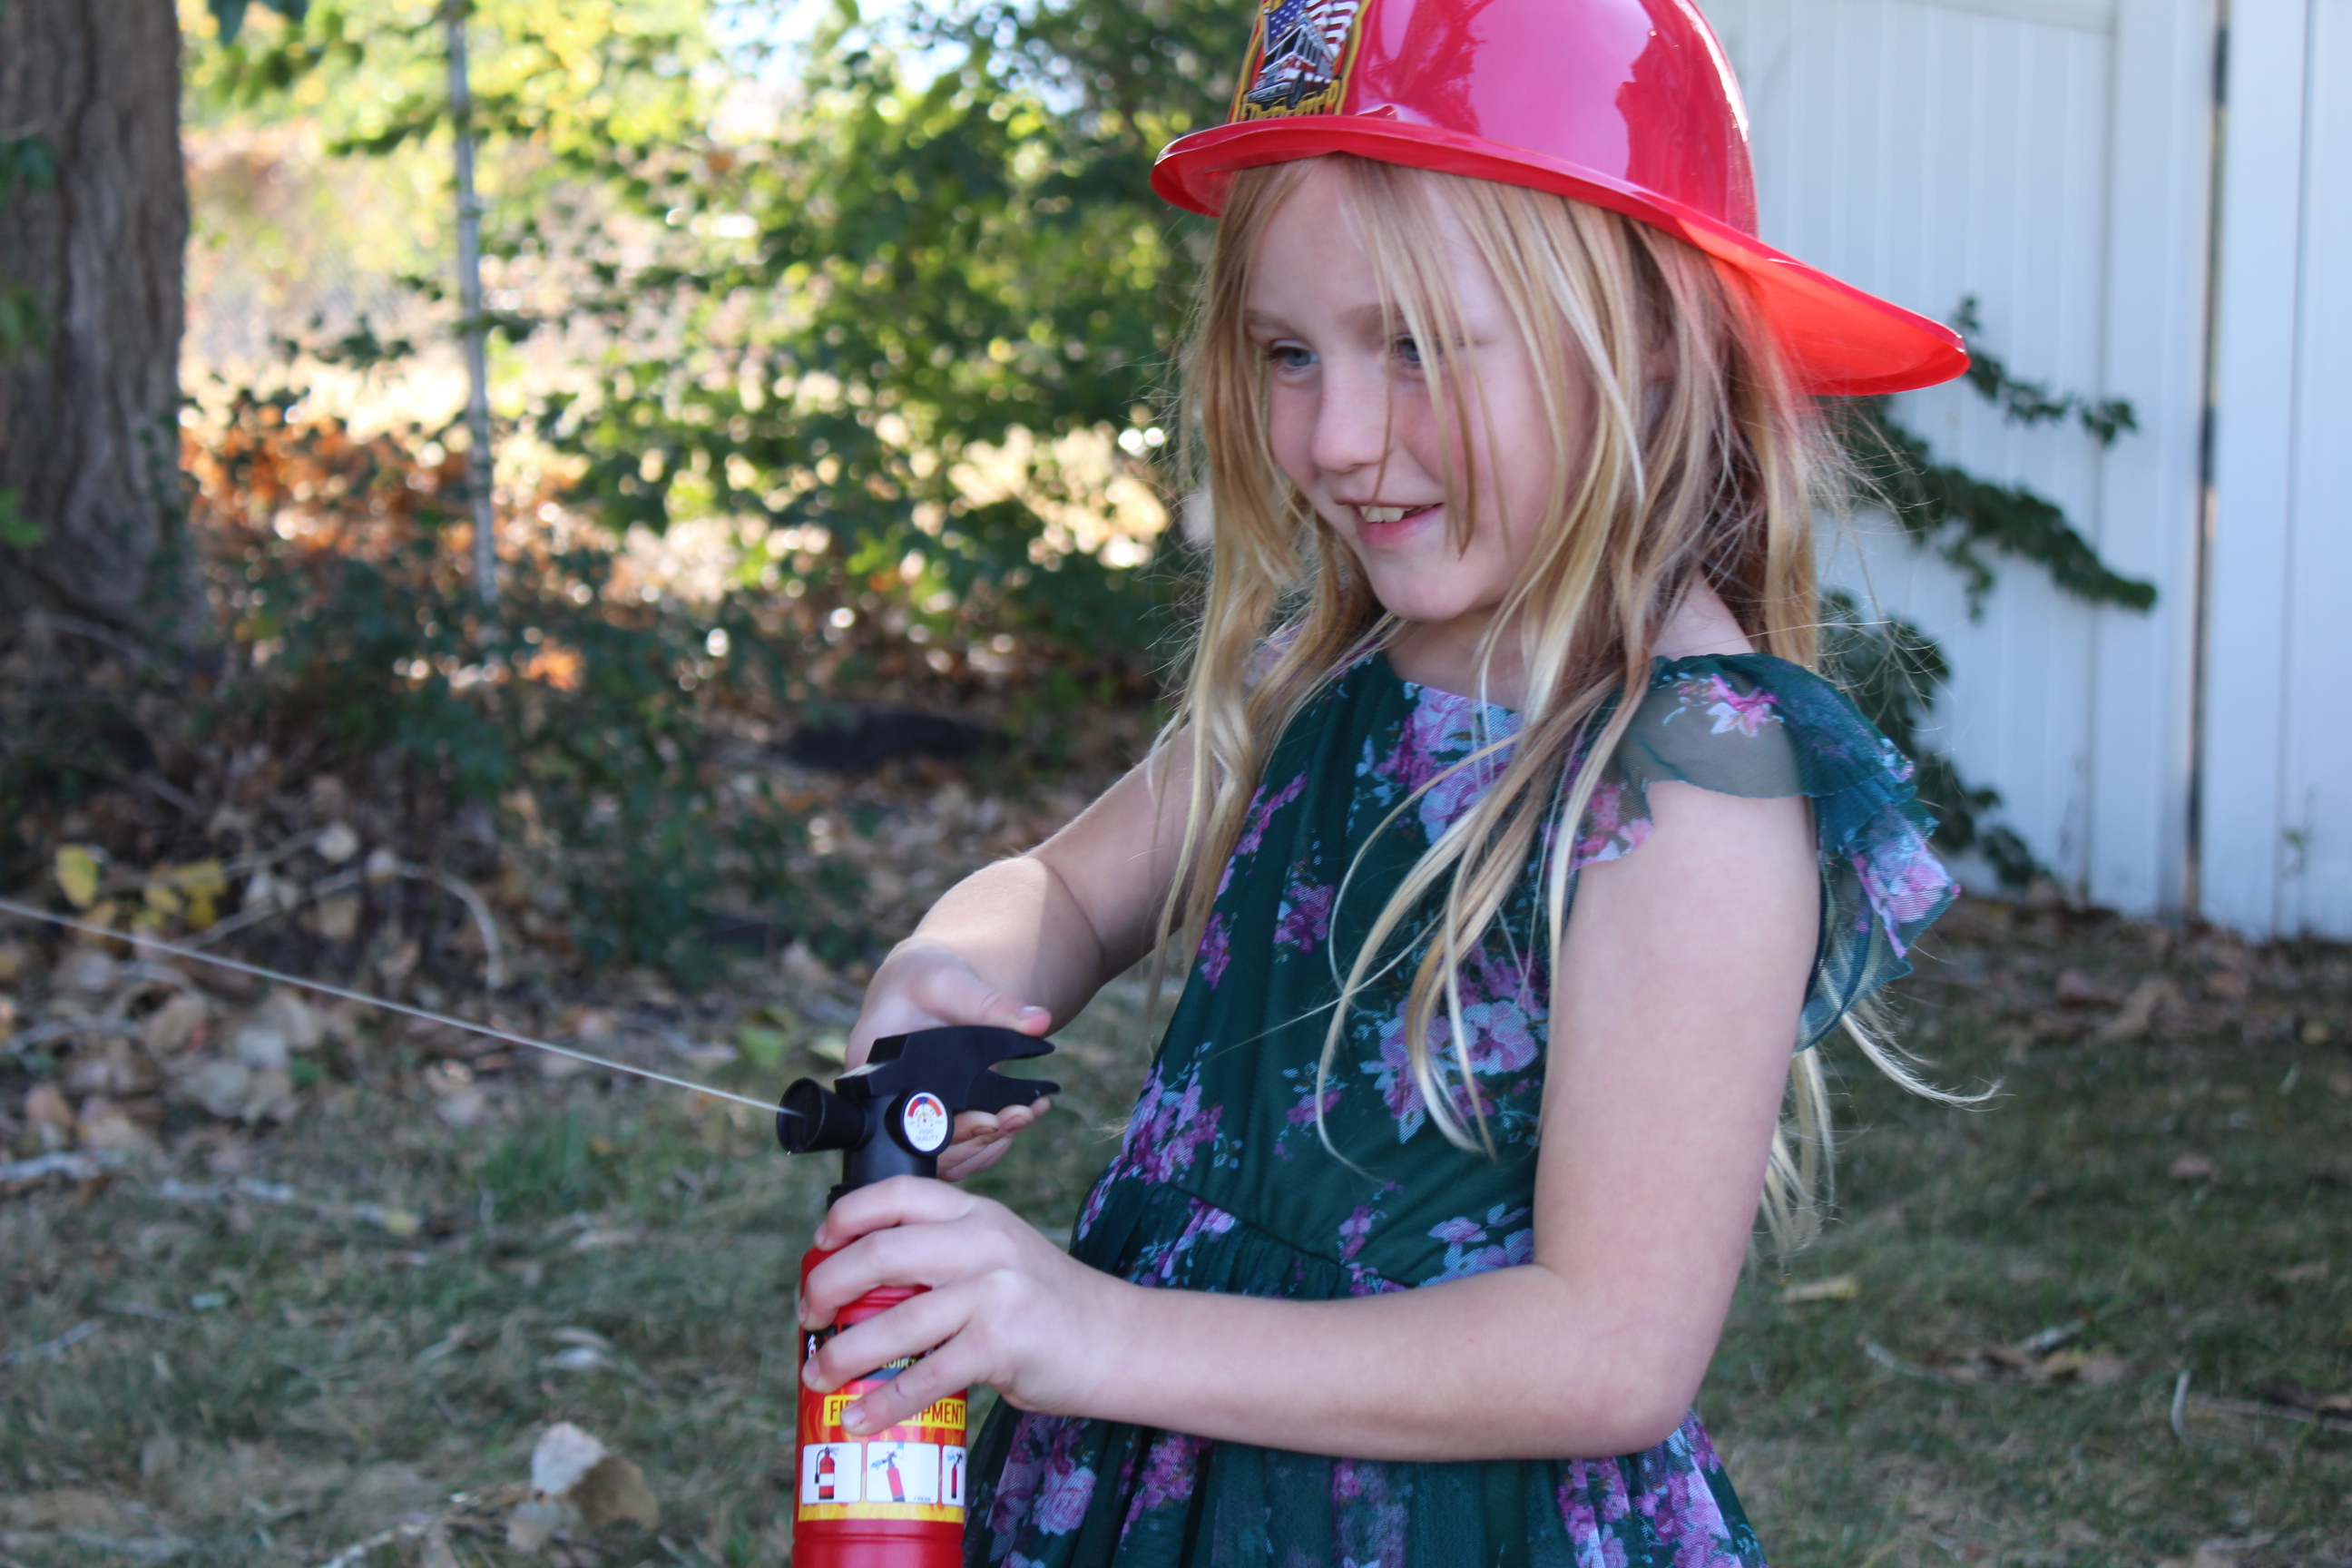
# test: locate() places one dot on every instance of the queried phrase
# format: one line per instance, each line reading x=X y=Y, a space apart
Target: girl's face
x=1352 y=425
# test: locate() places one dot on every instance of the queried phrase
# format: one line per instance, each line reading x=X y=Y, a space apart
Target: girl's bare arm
x=1684 y=971
x=1024 y=943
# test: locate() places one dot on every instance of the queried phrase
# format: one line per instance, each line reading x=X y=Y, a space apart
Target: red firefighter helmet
x=1627 y=104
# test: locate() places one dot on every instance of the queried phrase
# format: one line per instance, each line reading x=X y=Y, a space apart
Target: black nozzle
x=893 y=1116
x=812 y=1117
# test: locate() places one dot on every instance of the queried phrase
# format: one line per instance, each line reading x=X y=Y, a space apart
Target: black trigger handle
x=993 y=1092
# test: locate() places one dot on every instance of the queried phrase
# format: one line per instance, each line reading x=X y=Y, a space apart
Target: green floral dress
x=1222 y=1183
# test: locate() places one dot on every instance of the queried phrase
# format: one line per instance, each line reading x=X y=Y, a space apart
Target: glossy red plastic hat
x=1628 y=104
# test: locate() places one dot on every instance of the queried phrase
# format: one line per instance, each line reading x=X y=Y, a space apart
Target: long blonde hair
x=1701 y=463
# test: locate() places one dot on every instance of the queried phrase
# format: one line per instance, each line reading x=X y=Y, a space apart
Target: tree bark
x=90 y=417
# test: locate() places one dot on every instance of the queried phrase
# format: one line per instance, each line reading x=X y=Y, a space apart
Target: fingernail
x=854 y=1418
x=1030 y=1012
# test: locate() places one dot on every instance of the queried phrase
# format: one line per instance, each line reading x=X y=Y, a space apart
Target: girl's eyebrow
x=1371 y=319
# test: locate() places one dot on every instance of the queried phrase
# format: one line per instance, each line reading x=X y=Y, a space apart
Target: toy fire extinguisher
x=892 y=1499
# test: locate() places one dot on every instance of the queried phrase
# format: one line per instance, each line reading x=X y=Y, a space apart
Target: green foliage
x=1942 y=505
x=903 y=274
x=585 y=712
x=229 y=16
x=16 y=530
x=27 y=162
x=1893 y=670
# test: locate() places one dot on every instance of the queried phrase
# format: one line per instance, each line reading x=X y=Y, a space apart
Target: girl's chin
x=1413 y=602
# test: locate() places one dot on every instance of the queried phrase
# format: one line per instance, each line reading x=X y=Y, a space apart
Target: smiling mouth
x=1392 y=513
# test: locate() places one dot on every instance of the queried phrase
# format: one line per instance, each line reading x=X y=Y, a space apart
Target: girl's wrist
x=1106 y=1326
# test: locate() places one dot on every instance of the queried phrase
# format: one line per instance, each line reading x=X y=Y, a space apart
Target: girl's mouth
x=1374 y=516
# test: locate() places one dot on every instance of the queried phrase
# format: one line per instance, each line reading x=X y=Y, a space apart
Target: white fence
x=2052 y=159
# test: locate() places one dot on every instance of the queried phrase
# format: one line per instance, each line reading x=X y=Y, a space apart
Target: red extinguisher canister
x=892 y=1499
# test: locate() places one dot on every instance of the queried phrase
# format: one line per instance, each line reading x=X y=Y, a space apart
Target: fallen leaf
x=77 y=867
x=466 y=1107
x=88 y=970
x=68 y=1507
x=561 y=1456
x=104 y=1127
x=2076 y=989
x=2228 y=985
x=158 y=1457
x=336 y=917
x=111 y=1067
x=2191 y=1168
x=49 y=1116
x=269 y=1096
x=1837 y=1288
x=336 y=843
x=258 y=1045
x=437 y=1551
x=2138 y=1011
x=533 y=1523
x=219 y=1087
x=302 y=1023
x=168 y=1029
x=615 y=1488
x=761 y=1046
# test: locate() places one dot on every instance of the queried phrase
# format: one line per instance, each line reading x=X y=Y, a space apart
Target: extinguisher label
x=914 y=1471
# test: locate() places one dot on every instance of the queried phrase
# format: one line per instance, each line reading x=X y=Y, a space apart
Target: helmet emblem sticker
x=1299 y=58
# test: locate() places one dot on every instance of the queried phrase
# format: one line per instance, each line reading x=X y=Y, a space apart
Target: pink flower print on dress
x=1168 y=1130
x=1304 y=1113
x=1261 y=814
x=1062 y=1500
x=1170 y=1470
x=1503 y=1039
x=1392 y=1076
x=1355 y=1230
x=1216 y=949
x=1730 y=707
x=1161 y=1262
x=1303 y=918
x=1904 y=882
x=1609 y=833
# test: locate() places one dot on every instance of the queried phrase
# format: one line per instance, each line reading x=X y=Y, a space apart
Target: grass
x=622 y=1258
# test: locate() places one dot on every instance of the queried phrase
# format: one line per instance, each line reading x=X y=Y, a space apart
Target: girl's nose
x=1352 y=420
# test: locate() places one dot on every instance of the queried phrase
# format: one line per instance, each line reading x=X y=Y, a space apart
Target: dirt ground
x=352 y=1321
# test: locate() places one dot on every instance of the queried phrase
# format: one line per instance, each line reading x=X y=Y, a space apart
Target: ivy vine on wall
x=1895 y=671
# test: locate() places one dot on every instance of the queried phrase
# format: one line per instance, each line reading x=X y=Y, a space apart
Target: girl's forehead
x=1312 y=259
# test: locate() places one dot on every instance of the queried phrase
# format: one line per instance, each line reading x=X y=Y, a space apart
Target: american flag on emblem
x=1304 y=40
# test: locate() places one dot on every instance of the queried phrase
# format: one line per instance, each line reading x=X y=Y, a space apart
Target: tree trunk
x=89 y=411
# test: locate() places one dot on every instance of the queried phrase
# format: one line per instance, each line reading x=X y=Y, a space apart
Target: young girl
x=1514 y=846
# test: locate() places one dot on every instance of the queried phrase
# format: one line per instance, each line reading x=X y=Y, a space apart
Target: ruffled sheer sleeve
x=1761 y=727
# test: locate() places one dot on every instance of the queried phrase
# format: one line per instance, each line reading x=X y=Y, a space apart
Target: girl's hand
x=1005 y=1307
x=922 y=985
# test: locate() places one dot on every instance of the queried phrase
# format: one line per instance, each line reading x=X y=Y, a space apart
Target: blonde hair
x=1701 y=465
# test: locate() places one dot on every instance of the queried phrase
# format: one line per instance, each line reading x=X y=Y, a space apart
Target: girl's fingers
x=901 y=1201
x=966 y=1160
x=927 y=1326
x=981 y=1139
x=958 y=994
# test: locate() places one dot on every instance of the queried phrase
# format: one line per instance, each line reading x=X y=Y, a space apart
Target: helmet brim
x=1840 y=342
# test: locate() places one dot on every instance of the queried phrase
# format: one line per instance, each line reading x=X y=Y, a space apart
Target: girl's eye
x=1289 y=356
x=1408 y=353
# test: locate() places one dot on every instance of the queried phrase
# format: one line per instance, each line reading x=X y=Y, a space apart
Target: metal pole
x=479 y=465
